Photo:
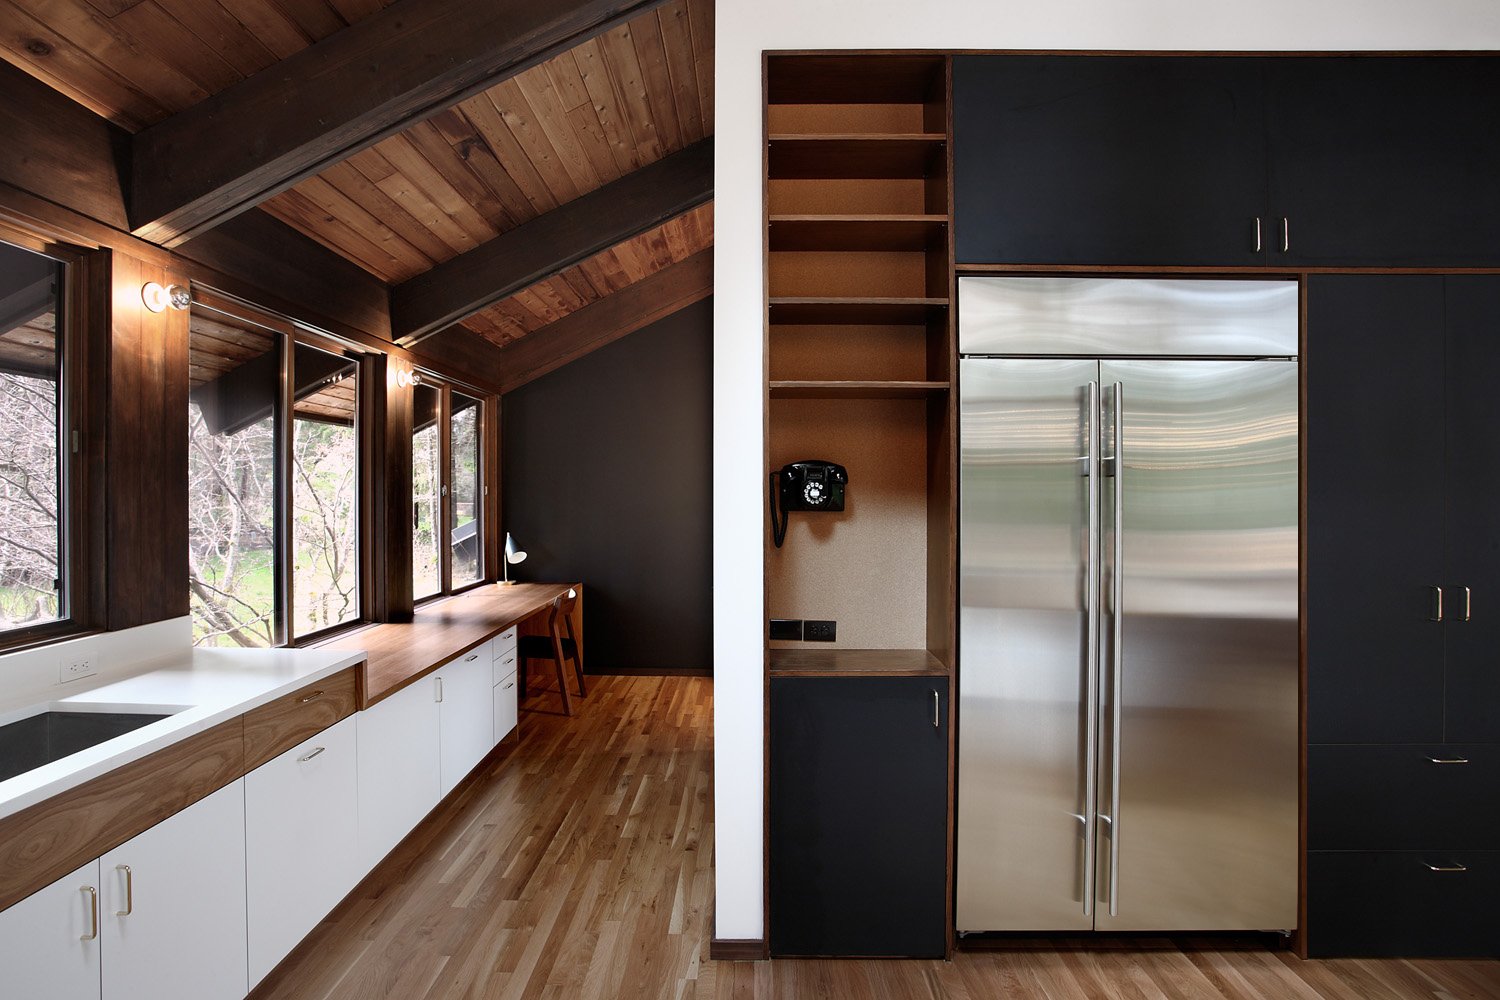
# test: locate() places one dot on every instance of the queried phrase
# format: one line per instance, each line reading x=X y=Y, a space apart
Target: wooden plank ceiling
x=603 y=274
x=136 y=62
x=505 y=156
x=524 y=147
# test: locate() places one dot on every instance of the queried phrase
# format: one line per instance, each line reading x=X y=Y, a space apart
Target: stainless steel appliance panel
x=1123 y=317
x=1198 y=739
x=1026 y=431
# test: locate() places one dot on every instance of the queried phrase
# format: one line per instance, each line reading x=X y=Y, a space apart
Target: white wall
x=745 y=28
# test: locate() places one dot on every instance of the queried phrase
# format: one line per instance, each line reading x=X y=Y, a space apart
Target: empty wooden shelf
x=866 y=311
x=917 y=233
x=856 y=156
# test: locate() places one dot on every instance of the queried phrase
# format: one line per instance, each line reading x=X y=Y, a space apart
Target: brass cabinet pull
x=316 y=751
x=129 y=891
x=1437 y=613
x=93 y=935
x=1468 y=604
x=1449 y=760
x=1445 y=868
x=312 y=697
x=471 y=657
x=1286 y=235
x=1257 y=234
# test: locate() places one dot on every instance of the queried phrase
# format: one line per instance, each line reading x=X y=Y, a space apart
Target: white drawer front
x=505 y=658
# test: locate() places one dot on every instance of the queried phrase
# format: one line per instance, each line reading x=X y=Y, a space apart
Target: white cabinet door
x=398 y=768
x=174 y=922
x=468 y=723
x=301 y=829
x=506 y=707
x=49 y=941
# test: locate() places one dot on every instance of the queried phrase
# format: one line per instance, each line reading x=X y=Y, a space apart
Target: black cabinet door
x=1108 y=160
x=1374 y=437
x=859 y=805
x=1472 y=662
x=1385 y=160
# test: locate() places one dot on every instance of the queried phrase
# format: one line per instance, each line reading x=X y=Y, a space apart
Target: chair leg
x=562 y=683
x=577 y=660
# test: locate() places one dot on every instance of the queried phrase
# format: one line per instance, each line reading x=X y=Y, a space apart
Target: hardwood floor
x=578 y=865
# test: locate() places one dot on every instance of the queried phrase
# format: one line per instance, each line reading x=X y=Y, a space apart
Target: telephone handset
x=806 y=486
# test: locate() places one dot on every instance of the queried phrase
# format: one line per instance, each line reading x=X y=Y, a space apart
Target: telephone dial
x=805 y=486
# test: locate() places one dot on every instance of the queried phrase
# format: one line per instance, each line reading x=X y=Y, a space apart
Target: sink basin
x=48 y=736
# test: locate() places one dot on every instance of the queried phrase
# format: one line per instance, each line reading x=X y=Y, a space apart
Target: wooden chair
x=555 y=646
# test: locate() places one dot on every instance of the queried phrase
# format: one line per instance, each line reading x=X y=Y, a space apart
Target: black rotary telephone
x=809 y=485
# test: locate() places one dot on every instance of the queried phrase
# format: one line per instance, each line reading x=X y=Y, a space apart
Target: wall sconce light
x=407 y=378
x=159 y=299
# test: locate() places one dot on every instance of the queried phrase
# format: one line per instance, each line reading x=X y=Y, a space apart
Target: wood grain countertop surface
x=402 y=653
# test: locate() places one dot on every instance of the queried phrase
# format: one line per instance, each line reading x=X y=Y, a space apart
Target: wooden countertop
x=400 y=654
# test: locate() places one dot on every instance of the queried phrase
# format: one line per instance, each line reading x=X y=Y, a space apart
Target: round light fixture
x=159 y=298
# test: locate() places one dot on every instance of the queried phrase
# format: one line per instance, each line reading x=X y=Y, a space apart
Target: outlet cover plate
x=820 y=631
x=72 y=670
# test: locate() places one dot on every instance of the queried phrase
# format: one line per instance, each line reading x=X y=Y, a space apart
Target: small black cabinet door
x=1374 y=439
x=1472 y=667
x=1108 y=160
x=859 y=803
x=1379 y=160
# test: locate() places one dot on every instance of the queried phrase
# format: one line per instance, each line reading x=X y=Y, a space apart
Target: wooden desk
x=401 y=654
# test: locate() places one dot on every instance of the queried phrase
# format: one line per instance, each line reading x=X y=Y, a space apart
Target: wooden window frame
x=289 y=333
x=82 y=325
x=446 y=387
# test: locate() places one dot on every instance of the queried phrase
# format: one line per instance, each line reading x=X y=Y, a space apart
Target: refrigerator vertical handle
x=1116 y=651
x=1091 y=600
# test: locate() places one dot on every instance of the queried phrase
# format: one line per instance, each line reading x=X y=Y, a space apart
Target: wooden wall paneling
x=377 y=516
x=395 y=478
x=76 y=826
x=607 y=320
x=494 y=525
x=560 y=239
x=59 y=150
x=147 y=463
x=383 y=74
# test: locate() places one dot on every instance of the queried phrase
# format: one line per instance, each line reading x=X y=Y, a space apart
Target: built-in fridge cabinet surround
x=891 y=177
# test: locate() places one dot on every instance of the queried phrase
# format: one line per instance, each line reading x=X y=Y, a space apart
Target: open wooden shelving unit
x=862 y=357
x=861 y=345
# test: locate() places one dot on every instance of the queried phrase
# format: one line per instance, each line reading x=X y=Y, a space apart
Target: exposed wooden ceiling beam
x=377 y=77
x=603 y=322
x=552 y=243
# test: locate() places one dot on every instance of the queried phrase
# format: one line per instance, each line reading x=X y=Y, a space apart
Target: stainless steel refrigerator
x=1128 y=605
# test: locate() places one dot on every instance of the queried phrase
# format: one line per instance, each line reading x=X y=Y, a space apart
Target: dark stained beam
x=383 y=74
x=553 y=242
x=605 y=321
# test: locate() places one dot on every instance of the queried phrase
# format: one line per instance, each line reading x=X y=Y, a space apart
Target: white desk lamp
x=512 y=555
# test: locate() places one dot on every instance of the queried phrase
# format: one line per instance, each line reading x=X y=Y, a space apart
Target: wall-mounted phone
x=805 y=486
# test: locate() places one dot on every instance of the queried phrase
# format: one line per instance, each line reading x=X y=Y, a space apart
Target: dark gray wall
x=605 y=478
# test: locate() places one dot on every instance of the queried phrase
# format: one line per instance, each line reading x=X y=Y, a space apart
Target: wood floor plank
x=576 y=865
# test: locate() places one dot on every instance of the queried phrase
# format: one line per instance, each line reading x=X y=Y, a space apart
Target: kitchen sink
x=48 y=736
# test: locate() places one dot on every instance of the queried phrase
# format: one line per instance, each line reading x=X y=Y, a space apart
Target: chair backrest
x=562 y=607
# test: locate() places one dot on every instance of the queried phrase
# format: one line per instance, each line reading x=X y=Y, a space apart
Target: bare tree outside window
x=30 y=478
x=466 y=491
x=325 y=492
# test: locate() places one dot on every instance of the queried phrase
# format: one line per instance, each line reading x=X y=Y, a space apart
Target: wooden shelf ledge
x=857 y=232
x=856 y=156
x=855 y=663
x=875 y=311
x=854 y=389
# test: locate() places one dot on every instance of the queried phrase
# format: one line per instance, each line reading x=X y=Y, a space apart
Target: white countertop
x=202 y=688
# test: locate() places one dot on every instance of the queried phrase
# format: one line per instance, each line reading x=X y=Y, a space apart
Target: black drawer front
x=1367 y=798
x=1362 y=903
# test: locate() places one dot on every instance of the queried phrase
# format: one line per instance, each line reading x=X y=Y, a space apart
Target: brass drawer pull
x=312 y=697
x=316 y=751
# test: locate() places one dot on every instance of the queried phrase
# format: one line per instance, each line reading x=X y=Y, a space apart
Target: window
x=274 y=484
x=426 y=485
x=448 y=495
x=466 y=491
x=40 y=559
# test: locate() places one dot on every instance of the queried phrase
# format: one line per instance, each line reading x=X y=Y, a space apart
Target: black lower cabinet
x=858 y=816
x=1402 y=903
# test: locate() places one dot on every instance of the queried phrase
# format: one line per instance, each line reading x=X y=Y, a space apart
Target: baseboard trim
x=738 y=949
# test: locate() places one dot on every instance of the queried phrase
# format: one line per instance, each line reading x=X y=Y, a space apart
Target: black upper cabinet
x=1375 y=489
x=1385 y=160
x=1108 y=160
x=1472 y=513
x=1170 y=160
x=859 y=815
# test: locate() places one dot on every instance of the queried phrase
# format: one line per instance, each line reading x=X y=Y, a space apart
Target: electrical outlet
x=816 y=631
x=75 y=670
x=786 y=628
